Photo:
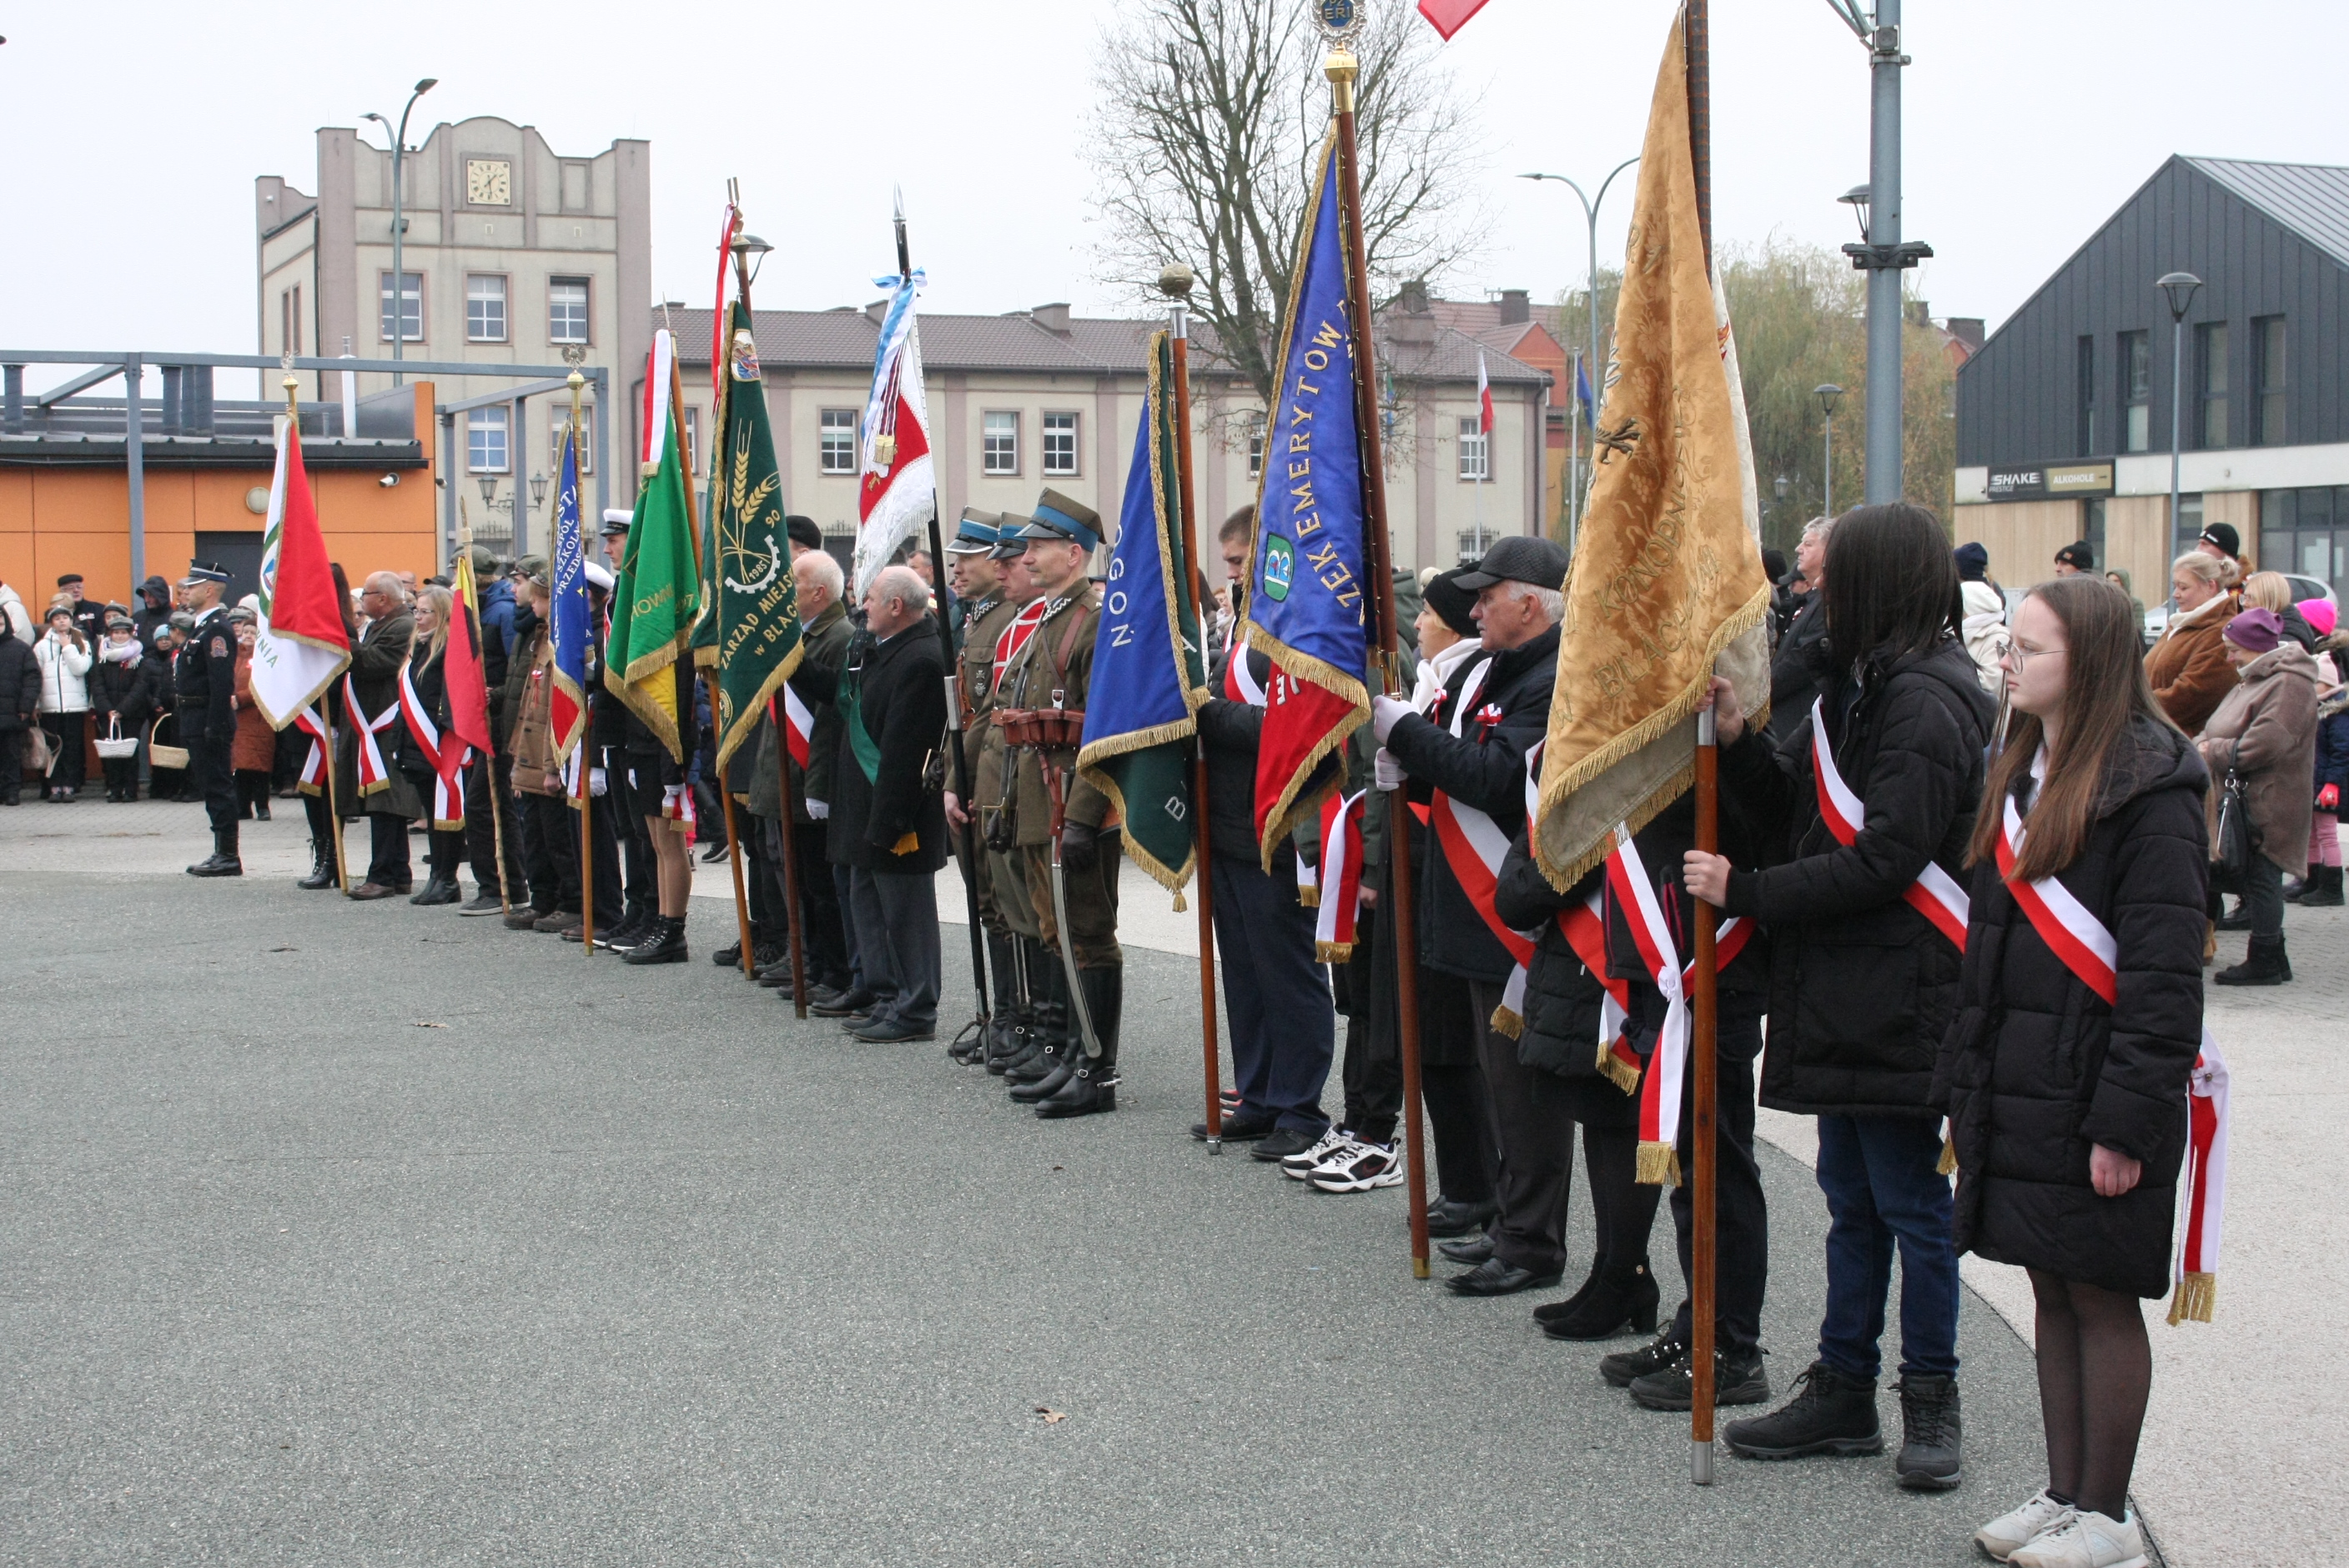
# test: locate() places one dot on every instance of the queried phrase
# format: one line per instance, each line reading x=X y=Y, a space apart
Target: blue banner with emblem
x=1149 y=672
x=567 y=619
x=1308 y=599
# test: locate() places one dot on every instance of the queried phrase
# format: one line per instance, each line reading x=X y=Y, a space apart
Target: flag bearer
x=204 y=682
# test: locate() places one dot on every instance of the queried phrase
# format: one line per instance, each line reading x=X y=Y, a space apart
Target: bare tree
x=1209 y=113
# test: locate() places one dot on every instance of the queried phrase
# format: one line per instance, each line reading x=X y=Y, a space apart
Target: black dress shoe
x=1237 y=1128
x=1446 y=1217
x=1472 y=1250
x=1282 y=1142
x=842 y=1005
x=1494 y=1277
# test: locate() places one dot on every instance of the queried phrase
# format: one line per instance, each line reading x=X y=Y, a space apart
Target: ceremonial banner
x=658 y=592
x=1149 y=671
x=1667 y=574
x=463 y=669
x=896 y=490
x=299 y=646
x=568 y=623
x=1306 y=602
x=753 y=608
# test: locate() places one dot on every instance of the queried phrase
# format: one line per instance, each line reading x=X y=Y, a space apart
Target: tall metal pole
x=1590 y=205
x=1341 y=69
x=1884 y=322
x=1826 y=468
x=398 y=232
x=1703 y=1239
x=1177 y=282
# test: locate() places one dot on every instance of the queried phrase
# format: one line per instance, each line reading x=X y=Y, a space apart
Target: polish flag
x=1448 y=17
x=1484 y=388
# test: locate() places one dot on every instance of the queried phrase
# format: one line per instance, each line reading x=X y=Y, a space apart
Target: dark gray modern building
x=2064 y=414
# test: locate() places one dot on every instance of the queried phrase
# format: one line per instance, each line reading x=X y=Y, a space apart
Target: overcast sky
x=133 y=134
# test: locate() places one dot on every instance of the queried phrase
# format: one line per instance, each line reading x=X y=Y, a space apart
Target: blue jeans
x=1880 y=1176
x=1284 y=1025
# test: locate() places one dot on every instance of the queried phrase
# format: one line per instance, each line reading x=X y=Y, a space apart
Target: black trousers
x=762 y=878
x=1533 y=1146
x=388 y=864
x=1452 y=1086
x=68 y=738
x=821 y=934
x=209 y=760
x=840 y=879
x=12 y=765
x=445 y=853
x=1372 y=1071
x=489 y=787
x=121 y=777
x=632 y=803
x=1741 y=1222
x=252 y=789
x=549 y=855
x=605 y=874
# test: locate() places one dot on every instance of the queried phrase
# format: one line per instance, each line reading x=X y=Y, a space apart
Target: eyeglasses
x=2022 y=656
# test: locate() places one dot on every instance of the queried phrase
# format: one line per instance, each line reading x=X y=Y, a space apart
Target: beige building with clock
x=512 y=254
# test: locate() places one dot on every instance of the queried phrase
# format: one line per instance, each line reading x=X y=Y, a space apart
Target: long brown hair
x=2105 y=692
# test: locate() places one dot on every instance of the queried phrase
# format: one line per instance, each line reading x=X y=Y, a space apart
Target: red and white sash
x=1239 y=683
x=312 y=722
x=1473 y=847
x=798 y=725
x=2088 y=950
x=448 y=767
x=1935 y=895
x=373 y=778
x=1341 y=876
x=677 y=807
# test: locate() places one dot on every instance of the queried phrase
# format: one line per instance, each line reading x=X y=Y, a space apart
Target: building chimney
x=1051 y=317
x=876 y=312
x=1920 y=313
x=1517 y=308
x=1968 y=331
x=1413 y=300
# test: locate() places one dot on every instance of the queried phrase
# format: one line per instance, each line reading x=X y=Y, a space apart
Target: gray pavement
x=361 y=1233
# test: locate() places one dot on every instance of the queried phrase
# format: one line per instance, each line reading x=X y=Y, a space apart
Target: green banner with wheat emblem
x=754 y=613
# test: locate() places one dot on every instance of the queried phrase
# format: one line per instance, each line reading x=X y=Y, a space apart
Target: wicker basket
x=113 y=746
x=160 y=755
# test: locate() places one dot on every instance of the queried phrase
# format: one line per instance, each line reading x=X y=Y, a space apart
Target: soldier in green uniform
x=1051 y=670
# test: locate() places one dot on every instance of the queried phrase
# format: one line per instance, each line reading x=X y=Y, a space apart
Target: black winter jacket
x=1862 y=984
x=119 y=690
x=2036 y=1069
x=900 y=693
x=1230 y=733
x=20 y=684
x=1483 y=766
x=1795 y=673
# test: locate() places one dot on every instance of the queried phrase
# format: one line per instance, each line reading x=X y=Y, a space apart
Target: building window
x=2092 y=527
x=1256 y=444
x=586 y=445
x=410 y=308
x=836 y=440
x=1475 y=454
x=485 y=441
x=485 y=308
x=1060 y=444
x=2267 y=375
x=2210 y=381
x=2136 y=391
x=999 y=443
x=2306 y=531
x=2189 y=527
x=693 y=440
x=289 y=305
x=566 y=310
x=2086 y=435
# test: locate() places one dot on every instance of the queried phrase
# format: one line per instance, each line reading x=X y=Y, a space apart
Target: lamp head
x=537 y=489
x=1828 y=392
x=1780 y=485
x=1857 y=199
x=488 y=489
x=427 y=85
x=2181 y=288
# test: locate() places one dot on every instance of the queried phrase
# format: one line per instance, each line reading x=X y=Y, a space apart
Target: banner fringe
x=1659 y=1165
x=1333 y=952
x=1623 y=1074
x=747 y=719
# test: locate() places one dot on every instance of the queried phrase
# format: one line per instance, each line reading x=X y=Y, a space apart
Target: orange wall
x=59 y=519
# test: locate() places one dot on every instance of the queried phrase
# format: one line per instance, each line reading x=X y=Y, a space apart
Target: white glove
x=818 y=811
x=1384 y=711
x=1385 y=770
x=596 y=783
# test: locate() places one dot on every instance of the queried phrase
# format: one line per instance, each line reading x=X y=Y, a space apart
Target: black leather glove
x=1080 y=847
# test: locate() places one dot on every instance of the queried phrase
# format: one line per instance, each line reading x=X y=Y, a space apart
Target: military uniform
x=1053 y=669
x=203 y=687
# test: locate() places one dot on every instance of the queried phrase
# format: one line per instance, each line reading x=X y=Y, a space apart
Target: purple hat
x=2255 y=631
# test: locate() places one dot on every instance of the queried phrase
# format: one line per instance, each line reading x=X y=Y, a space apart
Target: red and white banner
x=2088 y=950
x=1935 y=895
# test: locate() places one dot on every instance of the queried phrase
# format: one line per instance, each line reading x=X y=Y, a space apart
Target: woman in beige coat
x=2188 y=667
x=2264 y=732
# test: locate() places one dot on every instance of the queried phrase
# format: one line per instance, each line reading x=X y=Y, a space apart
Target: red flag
x=1448 y=17
x=1484 y=397
x=463 y=668
x=299 y=646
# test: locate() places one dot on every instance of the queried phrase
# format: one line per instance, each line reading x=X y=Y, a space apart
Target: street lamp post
x=1882 y=253
x=1573 y=393
x=400 y=221
x=1827 y=394
x=2180 y=288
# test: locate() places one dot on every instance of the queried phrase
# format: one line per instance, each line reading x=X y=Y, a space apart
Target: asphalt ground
x=345 y=1234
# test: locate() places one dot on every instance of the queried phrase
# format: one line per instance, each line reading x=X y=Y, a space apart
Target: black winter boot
x=438 y=889
x=2323 y=890
x=223 y=863
x=1620 y=1300
x=1010 y=1029
x=664 y=942
x=1829 y=1414
x=2264 y=964
x=1094 y=1089
x=1048 y=1027
x=322 y=867
x=1930 y=1445
x=969 y=1049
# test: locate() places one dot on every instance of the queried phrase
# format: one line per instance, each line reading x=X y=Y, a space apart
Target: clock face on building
x=488 y=182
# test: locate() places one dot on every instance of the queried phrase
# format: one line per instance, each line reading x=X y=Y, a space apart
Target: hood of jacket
x=2286 y=658
x=1984 y=604
x=2151 y=756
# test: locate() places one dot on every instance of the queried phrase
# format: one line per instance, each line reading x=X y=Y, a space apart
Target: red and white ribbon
x=2088 y=950
x=677 y=806
x=448 y=768
x=1015 y=636
x=1341 y=877
x=1239 y=684
x=1473 y=847
x=1935 y=895
x=799 y=725
x=373 y=778
x=312 y=722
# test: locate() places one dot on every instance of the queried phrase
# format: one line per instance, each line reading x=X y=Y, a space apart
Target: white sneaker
x=2004 y=1536
x=2085 y=1540
x=1300 y=1165
x=1361 y=1168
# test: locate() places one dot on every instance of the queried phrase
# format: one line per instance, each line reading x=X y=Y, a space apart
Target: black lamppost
x=1827 y=394
x=2180 y=288
x=400 y=222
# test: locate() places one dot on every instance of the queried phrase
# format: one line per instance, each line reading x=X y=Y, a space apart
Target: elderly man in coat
x=390 y=801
